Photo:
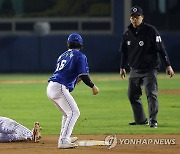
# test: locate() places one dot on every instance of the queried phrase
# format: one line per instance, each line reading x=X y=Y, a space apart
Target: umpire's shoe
x=153 y=124
x=142 y=123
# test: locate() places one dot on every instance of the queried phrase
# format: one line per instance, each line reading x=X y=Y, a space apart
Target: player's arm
x=83 y=70
x=123 y=51
x=162 y=51
x=86 y=79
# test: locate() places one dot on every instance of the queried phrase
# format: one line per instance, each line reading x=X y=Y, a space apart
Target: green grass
x=23 y=98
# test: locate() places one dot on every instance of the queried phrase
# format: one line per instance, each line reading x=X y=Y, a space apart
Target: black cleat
x=142 y=123
x=132 y=123
x=153 y=124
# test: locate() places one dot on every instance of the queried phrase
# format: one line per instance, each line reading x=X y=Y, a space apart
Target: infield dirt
x=48 y=145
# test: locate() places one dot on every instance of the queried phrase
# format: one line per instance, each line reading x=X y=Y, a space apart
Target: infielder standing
x=140 y=48
x=12 y=131
x=71 y=67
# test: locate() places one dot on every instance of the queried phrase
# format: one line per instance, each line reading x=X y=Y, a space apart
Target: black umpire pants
x=138 y=79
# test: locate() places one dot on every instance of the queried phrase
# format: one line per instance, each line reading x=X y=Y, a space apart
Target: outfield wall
x=33 y=53
x=39 y=53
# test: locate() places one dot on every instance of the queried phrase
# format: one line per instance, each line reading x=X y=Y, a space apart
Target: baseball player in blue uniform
x=12 y=131
x=71 y=67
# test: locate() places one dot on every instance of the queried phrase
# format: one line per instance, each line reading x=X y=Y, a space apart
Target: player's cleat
x=153 y=124
x=142 y=123
x=66 y=145
x=73 y=139
x=132 y=123
x=36 y=132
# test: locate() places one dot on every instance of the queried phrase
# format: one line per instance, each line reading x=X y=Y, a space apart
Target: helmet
x=75 y=38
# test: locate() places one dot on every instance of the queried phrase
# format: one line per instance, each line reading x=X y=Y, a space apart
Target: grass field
x=23 y=98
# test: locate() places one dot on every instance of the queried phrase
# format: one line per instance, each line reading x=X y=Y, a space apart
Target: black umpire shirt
x=141 y=47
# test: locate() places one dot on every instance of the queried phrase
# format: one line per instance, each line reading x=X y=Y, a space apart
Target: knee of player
x=76 y=113
x=133 y=97
x=152 y=98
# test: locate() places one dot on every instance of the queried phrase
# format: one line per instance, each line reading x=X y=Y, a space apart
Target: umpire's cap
x=136 y=10
x=75 y=38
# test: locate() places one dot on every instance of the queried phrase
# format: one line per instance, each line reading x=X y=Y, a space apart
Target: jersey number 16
x=60 y=65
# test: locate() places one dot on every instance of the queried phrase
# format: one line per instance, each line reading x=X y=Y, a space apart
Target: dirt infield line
x=22 y=81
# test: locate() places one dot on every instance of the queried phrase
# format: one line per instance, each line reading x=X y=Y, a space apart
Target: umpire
x=141 y=48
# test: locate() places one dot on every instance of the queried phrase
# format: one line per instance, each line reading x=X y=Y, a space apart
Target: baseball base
x=92 y=143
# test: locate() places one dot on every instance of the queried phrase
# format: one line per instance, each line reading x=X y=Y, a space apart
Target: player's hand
x=95 y=90
x=170 y=71
x=122 y=73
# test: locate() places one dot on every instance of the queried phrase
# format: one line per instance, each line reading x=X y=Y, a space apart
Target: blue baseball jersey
x=70 y=65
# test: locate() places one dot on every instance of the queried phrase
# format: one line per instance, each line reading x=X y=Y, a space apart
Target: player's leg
x=72 y=139
x=134 y=95
x=54 y=92
x=151 y=89
x=70 y=108
x=65 y=102
x=64 y=118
